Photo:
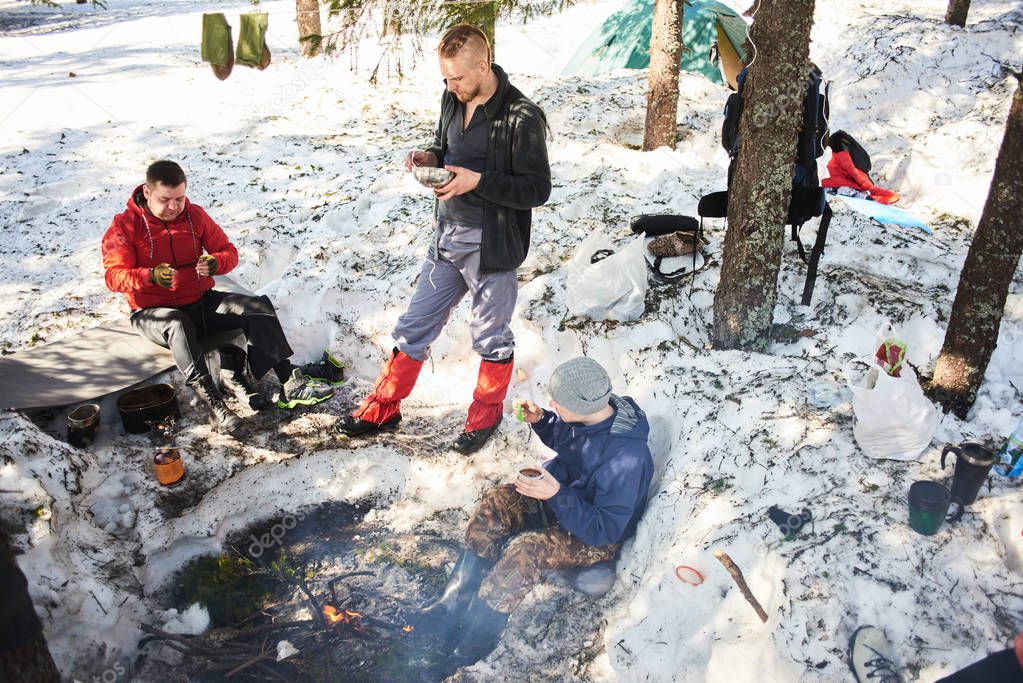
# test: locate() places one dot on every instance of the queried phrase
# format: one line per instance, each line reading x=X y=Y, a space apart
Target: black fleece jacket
x=517 y=177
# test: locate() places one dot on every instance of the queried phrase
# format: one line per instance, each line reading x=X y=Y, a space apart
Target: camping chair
x=805 y=204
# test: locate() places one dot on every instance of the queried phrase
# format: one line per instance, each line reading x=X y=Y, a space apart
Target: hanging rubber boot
x=236 y=378
x=382 y=409
x=485 y=412
x=252 y=49
x=442 y=616
x=224 y=419
x=481 y=631
x=217 y=47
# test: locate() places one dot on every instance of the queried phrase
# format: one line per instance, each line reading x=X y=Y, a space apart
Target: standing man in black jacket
x=492 y=138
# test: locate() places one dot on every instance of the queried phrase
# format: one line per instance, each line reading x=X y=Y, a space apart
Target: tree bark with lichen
x=991 y=262
x=761 y=188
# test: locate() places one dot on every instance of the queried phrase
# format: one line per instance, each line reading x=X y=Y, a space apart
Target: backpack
x=808 y=200
x=813 y=137
x=843 y=142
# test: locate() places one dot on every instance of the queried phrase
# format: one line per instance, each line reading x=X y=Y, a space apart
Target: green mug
x=928 y=505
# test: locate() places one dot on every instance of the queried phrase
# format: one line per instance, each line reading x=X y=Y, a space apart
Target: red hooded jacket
x=137 y=241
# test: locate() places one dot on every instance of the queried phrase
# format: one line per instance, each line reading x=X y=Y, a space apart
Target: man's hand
x=541 y=489
x=419 y=158
x=206 y=266
x=464 y=181
x=162 y=275
x=527 y=411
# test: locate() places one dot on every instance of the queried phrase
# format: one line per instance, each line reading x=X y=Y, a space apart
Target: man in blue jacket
x=584 y=505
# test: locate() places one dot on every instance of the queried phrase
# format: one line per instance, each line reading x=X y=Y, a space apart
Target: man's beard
x=468 y=96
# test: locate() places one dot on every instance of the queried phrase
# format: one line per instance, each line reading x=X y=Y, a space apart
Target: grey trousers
x=443 y=281
x=182 y=330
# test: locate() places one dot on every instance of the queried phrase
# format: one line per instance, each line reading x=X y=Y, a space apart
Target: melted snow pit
x=321 y=586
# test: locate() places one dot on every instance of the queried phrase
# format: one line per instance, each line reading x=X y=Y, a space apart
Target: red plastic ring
x=678 y=575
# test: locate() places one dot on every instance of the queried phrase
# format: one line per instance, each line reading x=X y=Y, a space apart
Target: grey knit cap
x=580 y=385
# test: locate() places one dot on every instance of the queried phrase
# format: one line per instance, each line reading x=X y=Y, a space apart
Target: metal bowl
x=432 y=176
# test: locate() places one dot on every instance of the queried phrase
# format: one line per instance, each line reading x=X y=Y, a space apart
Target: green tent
x=623 y=41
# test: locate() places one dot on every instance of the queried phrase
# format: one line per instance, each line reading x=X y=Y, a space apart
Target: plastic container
x=1010 y=457
x=826 y=394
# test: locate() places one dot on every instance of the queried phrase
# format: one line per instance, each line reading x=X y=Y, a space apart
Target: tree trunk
x=308 y=18
x=957 y=11
x=24 y=655
x=991 y=262
x=662 y=78
x=762 y=186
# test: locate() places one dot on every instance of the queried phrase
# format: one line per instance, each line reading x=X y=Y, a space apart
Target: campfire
x=309 y=621
x=338 y=618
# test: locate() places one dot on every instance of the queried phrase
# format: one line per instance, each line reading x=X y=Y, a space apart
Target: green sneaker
x=328 y=370
x=299 y=390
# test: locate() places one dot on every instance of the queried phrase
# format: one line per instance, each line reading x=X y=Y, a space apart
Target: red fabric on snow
x=843 y=173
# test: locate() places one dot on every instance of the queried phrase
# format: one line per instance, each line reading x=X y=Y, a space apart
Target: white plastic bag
x=613 y=288
x=894 y=419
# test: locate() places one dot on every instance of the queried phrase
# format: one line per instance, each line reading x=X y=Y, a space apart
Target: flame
x=335 y=616
x=407 y=629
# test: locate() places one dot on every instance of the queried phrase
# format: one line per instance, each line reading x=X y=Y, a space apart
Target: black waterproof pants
x=1001 y=666
x=183 y=329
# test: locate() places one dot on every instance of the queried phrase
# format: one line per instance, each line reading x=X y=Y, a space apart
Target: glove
x=162 y=275
x=209 y=259
x=790 y=525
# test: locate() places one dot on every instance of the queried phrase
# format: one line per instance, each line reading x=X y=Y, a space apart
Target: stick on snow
x=736 y=573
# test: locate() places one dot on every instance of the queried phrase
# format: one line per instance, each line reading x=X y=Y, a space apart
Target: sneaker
x=870 y=658
x=328 y=370
x=301 y=391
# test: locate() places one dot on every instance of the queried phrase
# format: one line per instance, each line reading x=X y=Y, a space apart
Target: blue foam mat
x=884 y=213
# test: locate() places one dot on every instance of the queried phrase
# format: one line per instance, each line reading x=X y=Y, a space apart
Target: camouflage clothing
x=537 y=546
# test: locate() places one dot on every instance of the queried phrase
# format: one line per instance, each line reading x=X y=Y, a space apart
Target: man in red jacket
x=162 y=252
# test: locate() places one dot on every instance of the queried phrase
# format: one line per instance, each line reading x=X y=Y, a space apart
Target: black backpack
x=808 y=199
x=843 y=142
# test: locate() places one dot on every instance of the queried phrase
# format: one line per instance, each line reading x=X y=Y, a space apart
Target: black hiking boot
x=237 y=379
x=470 y=442
x=224 y=419
x=354 y=426
x=481 y=631
x=441 y=617
x=241 y=384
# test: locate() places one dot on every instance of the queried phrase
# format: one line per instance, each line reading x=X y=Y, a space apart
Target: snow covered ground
x=301 y=165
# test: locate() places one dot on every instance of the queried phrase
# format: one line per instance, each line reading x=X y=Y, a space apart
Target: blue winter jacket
x=604 y=471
